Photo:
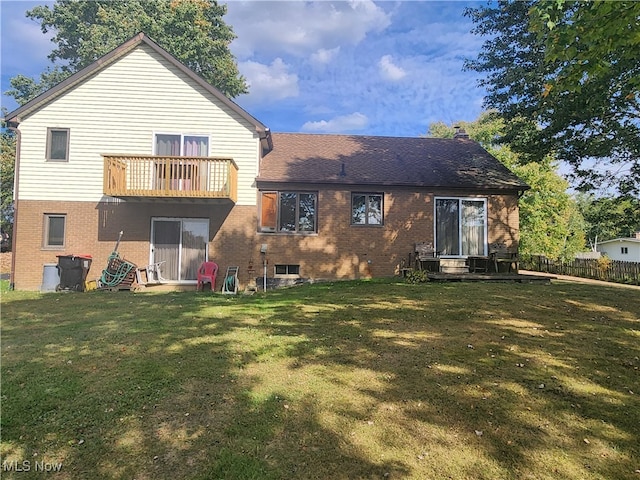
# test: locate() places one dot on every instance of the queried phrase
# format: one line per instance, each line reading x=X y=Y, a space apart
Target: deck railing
x=170 y=177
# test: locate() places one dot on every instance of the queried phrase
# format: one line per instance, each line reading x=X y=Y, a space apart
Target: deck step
x=453 y=265
x=445 y=269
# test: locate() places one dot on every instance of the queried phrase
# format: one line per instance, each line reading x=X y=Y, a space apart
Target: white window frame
x=485 y=220
x=181 y=220
x=181 y=135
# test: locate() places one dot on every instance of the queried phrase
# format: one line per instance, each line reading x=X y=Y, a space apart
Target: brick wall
x=338 y=251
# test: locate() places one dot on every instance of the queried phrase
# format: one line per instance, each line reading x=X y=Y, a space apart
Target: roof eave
x=334 y=182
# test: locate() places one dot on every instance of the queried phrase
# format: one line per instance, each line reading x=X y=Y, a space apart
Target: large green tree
x=7 y=168
x=607 y=218
x=550 y=223
x=191 y=30
x=566 y=76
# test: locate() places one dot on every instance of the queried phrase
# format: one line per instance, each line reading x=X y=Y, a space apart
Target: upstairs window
x=177 y=145
x=178 y=174
x=366 y=209
x=624 y=250
x=291 y=212
x=57 y=145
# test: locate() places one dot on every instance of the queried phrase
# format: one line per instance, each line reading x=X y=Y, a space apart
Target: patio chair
x=427 y=257
x=207 y=274
x=500 y=254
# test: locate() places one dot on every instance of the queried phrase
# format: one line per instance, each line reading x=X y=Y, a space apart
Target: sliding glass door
x=181 y=243
x=461 y=226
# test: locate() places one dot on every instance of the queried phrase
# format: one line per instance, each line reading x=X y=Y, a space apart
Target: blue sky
x=376 y=68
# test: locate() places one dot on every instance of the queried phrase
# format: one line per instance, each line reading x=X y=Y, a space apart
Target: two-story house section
x=138 y=143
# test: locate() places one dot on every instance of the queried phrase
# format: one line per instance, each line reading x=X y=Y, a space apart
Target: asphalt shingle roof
x=373 y=160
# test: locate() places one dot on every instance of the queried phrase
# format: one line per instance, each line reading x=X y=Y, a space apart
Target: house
x=623 y=249
x=138 y=143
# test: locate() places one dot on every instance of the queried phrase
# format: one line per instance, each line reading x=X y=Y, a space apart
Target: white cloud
x=389 y=70
x=269 y=83
x=300 y=28
x=342 y=123
x=324 y=56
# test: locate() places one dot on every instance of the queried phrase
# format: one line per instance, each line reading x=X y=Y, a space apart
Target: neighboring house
x=138 y=143
x=624 y=249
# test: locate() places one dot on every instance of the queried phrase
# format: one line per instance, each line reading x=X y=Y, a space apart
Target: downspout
x=16 y=172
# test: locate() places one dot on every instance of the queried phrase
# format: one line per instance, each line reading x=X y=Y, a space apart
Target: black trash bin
x=73 y=270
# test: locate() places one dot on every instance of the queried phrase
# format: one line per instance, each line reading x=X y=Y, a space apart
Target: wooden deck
x=489 y=277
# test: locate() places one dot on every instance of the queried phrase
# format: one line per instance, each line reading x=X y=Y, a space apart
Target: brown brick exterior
x=338 y=251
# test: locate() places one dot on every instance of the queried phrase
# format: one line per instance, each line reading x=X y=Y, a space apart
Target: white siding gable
x=118 y=110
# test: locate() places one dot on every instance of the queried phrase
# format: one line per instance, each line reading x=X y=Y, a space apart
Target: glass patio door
x=181 y=243
x=461 y=227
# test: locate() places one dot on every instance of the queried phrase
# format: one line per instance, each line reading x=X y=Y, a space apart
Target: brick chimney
x=636 y=235
x=460 y=132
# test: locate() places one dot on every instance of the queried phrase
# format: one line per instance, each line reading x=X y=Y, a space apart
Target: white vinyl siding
x=118 y=111
x=622 y=249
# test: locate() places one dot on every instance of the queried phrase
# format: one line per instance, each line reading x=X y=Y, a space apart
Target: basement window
x=287 y=270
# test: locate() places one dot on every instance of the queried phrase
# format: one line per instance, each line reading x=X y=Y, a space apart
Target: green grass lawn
x=348 y=380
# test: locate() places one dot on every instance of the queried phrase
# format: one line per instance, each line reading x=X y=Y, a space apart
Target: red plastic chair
x=207 y=274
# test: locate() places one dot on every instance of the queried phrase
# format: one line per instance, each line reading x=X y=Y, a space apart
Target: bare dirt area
x=5 y=262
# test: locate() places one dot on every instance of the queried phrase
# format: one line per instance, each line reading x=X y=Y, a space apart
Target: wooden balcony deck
x=153 y=176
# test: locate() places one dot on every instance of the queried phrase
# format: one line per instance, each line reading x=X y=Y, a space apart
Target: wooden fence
x=599 y=269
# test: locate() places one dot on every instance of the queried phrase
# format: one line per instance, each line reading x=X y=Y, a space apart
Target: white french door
x=181 y=243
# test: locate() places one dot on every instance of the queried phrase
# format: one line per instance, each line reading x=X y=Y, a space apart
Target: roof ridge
x=356 y=135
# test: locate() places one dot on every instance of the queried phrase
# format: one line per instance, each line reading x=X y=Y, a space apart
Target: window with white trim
x=367 y=209
x=289 y=212
x=461 y=226
x=54 y=230
x=57 y=145
x=624 y=250
x=178 y=174
x=179 y=145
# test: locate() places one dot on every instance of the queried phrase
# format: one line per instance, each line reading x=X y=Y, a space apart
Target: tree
x=572 y=90
x=7 y=168
x=607 y=218
x=550 y=223
x=191 y=30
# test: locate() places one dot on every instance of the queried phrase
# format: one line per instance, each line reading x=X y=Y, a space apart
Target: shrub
x=417 y=276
